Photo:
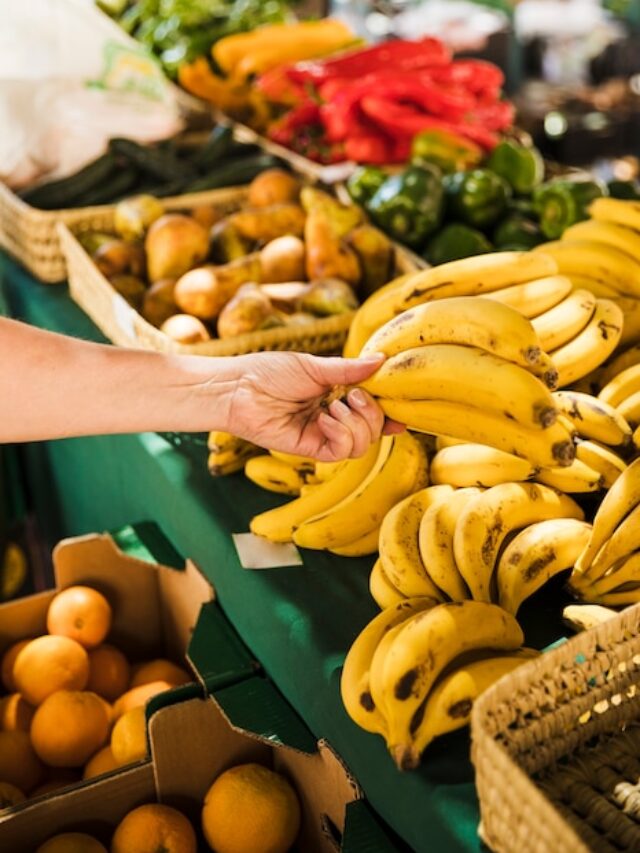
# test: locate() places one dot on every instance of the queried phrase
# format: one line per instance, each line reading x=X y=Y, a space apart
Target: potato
x=274 y=186
x=249 y=310
x=282 y=259
x=158 y=303
x=185 y=329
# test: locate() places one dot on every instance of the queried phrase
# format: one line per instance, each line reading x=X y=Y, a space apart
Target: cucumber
x=162 y=165
x=123 y=182
x=214 y=149
x=233 y=172
x=65 y=192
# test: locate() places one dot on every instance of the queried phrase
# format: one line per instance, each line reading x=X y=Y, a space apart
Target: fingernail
x=357 y=398
x=339 y=407
x=374 y=356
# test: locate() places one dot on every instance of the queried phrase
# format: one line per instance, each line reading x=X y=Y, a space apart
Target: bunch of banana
x=608 y=569
x=406 y=676
x=228 y=453
x=462 y=465
x=472 y=369
x=283 y=473
x=344 y=510
x=479 y=275
x=623 y=392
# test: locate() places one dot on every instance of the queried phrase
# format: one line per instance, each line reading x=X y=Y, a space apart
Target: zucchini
x=216 y=147
x=66 y=192
x=160 y=164
x=122 y=183
x=234 y=172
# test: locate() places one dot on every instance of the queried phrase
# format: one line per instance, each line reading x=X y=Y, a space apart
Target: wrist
x=200 y=392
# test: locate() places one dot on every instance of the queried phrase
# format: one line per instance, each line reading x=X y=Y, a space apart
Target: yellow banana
x=620 y=236
x=273 y=475
x=626 y=213
x=594 y=260
x=562 y=323
x=401 y=460
x=630 y=409
x=382 y=590
x=435 y=539
x=223 y=462
x=474 y=275
x=628 y=358
x=278 y=524
x=623 y=541
x=448 y=705
x=533 y=297
x=536 y=555
x=592 y=346
x=324 y=471
x=578 y=478
x=542 y=447
x=421 y=650
x=399 y=550
x=466 y=464
x=625 y=571
x=487 y=520
x=219 y=442
x=300 y=463
x=621 y=387
x=442 y=441
x=616 y=598
x=602 y=291
x=636 y=437
x=466 y=375
x=373 y=313
x=630 y=307
x=362 y=547
x=354 y=681
x=593 y=418
x=583 y=617
x=603 y=460
x=466 y=321
x=618 y=502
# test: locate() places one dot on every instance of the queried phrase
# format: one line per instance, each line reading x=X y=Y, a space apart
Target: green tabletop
x=299 y=622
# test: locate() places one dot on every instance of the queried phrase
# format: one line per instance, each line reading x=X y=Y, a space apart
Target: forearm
x=55 y=387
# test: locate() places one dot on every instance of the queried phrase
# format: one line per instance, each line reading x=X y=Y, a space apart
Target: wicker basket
x=125 y=327
x=556 y=747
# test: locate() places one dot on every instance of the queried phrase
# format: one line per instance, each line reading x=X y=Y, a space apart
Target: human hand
x=277 y=402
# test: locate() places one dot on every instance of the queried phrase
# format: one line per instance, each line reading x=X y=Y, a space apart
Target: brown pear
x=175 y=243
x=158 y=303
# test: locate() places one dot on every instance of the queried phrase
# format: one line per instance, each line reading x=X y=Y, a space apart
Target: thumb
x=346 y=371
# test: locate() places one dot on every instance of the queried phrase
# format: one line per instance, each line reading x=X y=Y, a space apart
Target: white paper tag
x=254 y=552
x=125 y=316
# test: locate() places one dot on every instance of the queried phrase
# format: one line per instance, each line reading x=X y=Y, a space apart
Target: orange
x=72 y=842
x=102 y=762
x=250 y=809
x=154 y=829
x=69 y=727
x=82 y=613
x=139 y=696
x=15 y=713
x=48 y=664
x=129 y=737
x=58 y=778
x=109 y=672
x=19 y=764
x=8 y=660
x=10 y=795
x=159 y=670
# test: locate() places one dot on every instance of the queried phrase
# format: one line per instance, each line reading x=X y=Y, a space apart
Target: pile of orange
x=74 y=705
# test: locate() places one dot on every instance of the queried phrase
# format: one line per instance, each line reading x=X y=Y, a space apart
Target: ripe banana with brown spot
x=399 y=547
x=618 y=502
x=383 y=592
x=592 y=346
x=541 y=447
x=465 y=321
x=465 y=375
x=601 y=459
x=354 y=681
x=561 y=324
x=626 y=213
x=362 y=547
x=278 y=524
x=597 y=261
x=274 y=475
x=448 y=705
x=228 y=453
x=487 y=520
x=465 y=464
x=399 y=469
x=474 y=275
x=578 y=478
x=422 y=649
x=533 y=297
x=435 y=539
x=537 y=554
x=593 y=418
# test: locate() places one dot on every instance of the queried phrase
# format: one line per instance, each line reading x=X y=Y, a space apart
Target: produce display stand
x=298 y=622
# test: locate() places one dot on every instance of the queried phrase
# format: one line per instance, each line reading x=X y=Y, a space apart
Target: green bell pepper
x=561 y=202
x=448 y=151
x=409 y=205
x=626 y=190
x=454 y=242
x=477 y=198
x=517 y=232
x=364 y=183
x=521 y=166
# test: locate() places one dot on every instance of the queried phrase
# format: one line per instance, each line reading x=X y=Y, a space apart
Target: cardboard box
x=192 y=742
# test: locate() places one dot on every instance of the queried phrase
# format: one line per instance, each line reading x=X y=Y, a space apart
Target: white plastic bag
x=70 y=79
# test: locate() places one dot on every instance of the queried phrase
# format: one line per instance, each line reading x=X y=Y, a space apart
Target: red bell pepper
x=284 y=129
x=278 y=87
x=375 y=149
x=475 y=75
